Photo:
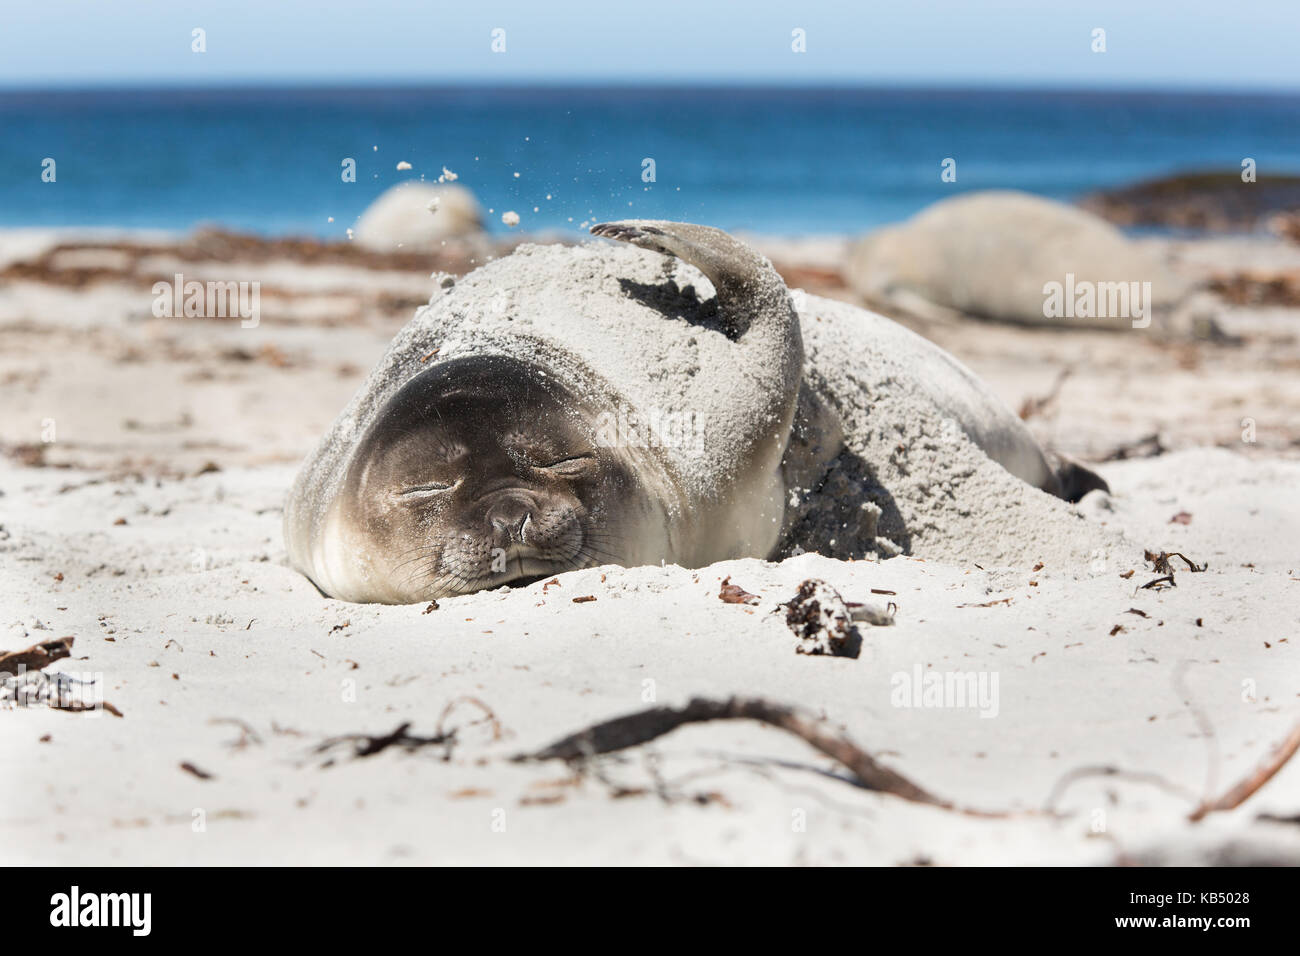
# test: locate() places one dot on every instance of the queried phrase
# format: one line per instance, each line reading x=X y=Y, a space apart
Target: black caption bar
x=332 y=905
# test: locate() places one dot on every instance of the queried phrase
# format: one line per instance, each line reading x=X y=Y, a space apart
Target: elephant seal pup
x=515 y=428
x=1014 y=257
x=504 y=434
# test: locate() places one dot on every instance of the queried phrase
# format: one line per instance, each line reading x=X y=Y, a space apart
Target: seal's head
x=483 y=471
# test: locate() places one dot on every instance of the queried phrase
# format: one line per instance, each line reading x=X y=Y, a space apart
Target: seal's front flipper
x=750 y=292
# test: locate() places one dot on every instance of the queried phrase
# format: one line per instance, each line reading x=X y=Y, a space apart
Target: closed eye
x=428 y=489
x=573 y=466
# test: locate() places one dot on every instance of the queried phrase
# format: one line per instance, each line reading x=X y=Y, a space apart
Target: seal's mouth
x=522 y=571
x=526 y=565
x=526 y=580
x=516 y=566
x=529 y=569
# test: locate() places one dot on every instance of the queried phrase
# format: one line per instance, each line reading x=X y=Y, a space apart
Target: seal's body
x=569 y=407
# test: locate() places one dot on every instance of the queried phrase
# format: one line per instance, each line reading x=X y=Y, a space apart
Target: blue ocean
x=783 y=161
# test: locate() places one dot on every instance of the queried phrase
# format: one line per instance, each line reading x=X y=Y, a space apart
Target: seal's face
x=481 y=472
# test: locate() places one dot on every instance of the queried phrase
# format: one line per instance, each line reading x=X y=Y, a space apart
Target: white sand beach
x=142 y=493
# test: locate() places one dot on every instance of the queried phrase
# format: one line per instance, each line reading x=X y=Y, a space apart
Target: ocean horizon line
x=593 y=85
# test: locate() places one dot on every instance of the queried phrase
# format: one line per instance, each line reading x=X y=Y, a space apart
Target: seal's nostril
x=512 y=524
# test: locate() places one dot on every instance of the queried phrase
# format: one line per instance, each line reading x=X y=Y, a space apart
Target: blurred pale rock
x=401 y=217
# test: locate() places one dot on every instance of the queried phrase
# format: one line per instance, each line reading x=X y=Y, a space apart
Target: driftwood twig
x=365 y=745
x=1250 y=785
x=643 y=726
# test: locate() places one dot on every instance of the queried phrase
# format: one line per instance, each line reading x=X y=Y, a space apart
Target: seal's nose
x=511 y=518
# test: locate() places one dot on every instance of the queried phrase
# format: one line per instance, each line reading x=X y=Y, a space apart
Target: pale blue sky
x=1200 y=44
